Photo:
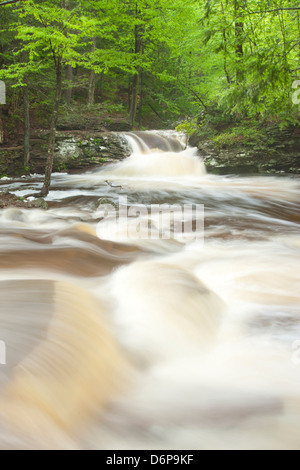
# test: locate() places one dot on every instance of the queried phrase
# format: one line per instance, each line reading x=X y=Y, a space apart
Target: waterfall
x=144 y=142
x=158 y=155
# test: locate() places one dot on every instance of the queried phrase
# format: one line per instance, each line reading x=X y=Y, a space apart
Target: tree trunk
x=239 y=30
x=26 y=127
x=139 y=50
x=141 y=97
x=134 y=99
x=69 y=89
x=92 y=80
x=92 y=88
x=69 y=69
x=1 y=128
x=225 y=47
x=129 y=94
x=239 y=50
x=225 y=57
x=100 y=87
x=53 y=126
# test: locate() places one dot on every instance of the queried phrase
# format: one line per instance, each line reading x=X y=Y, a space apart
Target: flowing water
x=116 y=340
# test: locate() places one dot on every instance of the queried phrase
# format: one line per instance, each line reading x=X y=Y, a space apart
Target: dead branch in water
x=112 y=186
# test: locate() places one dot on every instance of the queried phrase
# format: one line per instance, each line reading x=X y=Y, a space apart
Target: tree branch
x=270 y=11
x=194 y=93
x=8 y=2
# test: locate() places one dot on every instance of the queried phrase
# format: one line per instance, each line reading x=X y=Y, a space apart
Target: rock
x=272 y=156
x=39 y=203
x=106 y=202
x=118 y=126
x=8 y=199
x=75 y=151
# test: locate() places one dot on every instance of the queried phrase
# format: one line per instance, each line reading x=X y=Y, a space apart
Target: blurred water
x=126 y=342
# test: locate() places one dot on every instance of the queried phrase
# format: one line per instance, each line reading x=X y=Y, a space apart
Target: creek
x=116 y=338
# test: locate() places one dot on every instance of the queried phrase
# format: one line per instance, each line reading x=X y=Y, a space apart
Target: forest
x=154 y=63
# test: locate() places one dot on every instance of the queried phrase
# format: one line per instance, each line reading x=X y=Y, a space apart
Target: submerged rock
x=104 y=201
x=39 y=203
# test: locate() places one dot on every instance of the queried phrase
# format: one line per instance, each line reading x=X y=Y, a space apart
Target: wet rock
x=39 y=203
x=10 y=200
x=75 y=151
x=106 y=202
x=280 y=155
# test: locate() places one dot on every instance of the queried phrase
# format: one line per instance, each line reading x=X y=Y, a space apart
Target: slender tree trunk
x=139 y=50
x=26 y=127
x=1 y=128
x=92 y=80
x=239 y=31
x=225 y=47
x=129 y=94
x=100 y=86
x=141 y=97
x=239 y=50
x=69 y=69
x=285 y=50
x=53 y=126
x=92 y=88
x=225 y=57
x=134 y=99
x=69 y=89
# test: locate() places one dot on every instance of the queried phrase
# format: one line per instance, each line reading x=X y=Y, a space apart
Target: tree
x=260 y=45
x=52 y=33
x=167 y=60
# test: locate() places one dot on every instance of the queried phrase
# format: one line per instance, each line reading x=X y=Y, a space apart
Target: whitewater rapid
x=128 y=342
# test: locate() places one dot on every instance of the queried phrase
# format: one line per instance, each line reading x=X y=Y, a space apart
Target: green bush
x=188 y=127
x=246 y=134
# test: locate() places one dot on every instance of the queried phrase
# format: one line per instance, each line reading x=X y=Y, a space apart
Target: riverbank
x=10 y=200
x=247 y=148
x=86 y=137
x=75 y=151
x=241 y=149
